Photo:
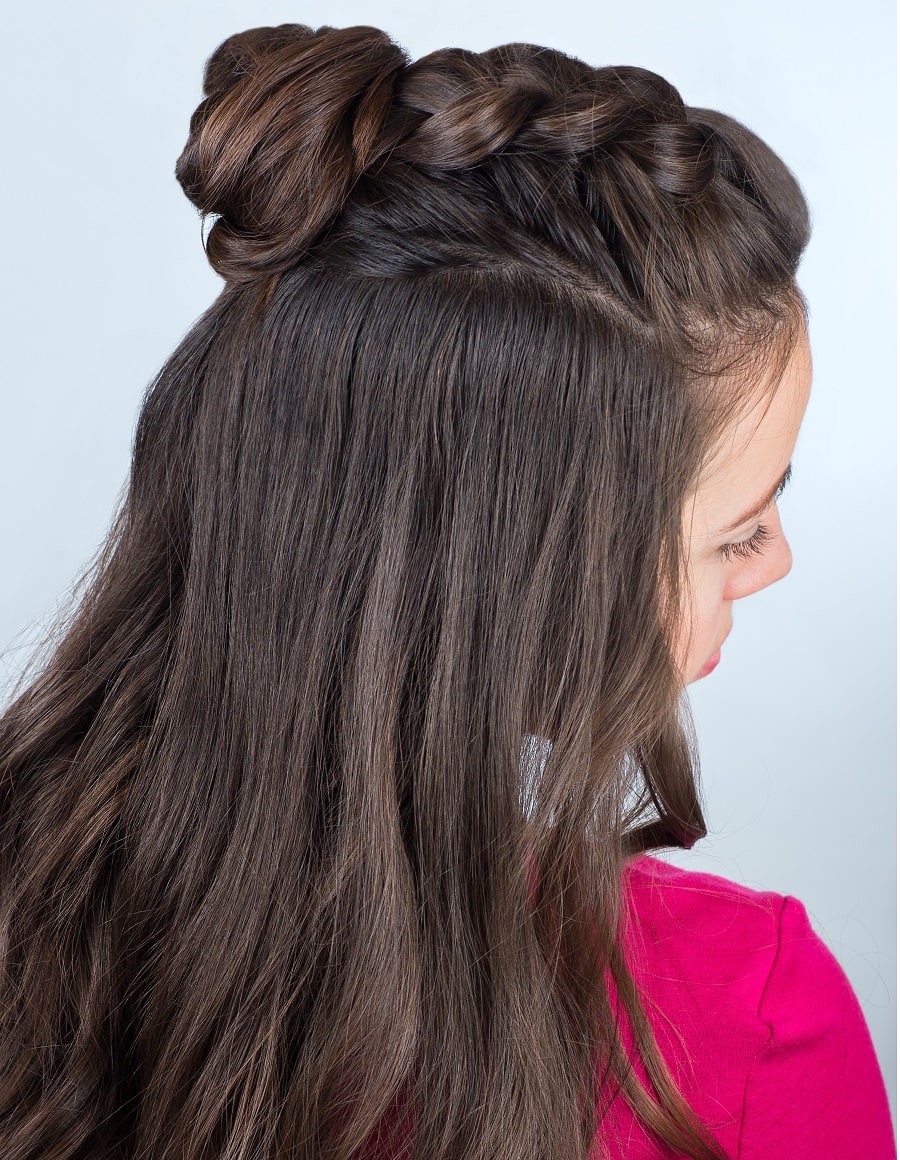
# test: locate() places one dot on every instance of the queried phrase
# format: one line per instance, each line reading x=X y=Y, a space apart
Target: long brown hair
x=314 y=813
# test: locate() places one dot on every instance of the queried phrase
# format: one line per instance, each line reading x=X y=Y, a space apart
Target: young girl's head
x=478 y=444
x=559 y=307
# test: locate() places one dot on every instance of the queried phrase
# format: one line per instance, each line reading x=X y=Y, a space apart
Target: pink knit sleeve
x=815 y=1089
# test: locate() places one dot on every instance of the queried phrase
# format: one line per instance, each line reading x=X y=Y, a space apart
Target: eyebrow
x=762 y=506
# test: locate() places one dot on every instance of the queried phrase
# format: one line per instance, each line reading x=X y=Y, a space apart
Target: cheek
x=705 y=610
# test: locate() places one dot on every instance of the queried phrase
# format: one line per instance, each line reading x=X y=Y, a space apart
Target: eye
x=755 y=545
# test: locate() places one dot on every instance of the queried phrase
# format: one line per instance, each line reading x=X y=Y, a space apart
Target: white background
x=103 y=272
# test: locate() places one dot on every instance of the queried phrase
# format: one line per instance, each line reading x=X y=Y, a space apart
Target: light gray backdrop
x=103 y=272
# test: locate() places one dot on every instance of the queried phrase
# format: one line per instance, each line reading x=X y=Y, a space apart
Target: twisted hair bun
x=290 y=119
x=334 y=133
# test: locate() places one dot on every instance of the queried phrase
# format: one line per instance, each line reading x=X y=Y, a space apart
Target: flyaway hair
x=314 y=812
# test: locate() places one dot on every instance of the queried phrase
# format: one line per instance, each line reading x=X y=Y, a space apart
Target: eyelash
x=755 y=545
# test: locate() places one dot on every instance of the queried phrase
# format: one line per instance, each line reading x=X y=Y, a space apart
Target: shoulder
x=700 y=950
x=747 y=1002
x=722 y=952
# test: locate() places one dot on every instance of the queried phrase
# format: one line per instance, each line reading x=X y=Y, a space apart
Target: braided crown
x=308 y=140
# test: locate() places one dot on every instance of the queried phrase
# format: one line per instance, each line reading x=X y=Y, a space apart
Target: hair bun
x=291 y=117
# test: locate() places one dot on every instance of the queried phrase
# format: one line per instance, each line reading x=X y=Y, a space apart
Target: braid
x=521 y=98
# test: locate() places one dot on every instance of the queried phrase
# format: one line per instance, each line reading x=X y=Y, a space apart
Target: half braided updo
x=319 y=141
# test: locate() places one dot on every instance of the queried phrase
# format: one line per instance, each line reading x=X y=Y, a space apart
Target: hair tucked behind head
x=281 y=872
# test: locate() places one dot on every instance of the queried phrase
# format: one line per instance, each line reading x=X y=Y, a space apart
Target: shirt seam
x=779 y=936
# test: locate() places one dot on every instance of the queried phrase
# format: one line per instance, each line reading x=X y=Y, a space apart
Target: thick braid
x=627 y=184
x=524 y=99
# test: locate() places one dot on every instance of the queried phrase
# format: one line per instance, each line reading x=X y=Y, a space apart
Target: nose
x=752 y=575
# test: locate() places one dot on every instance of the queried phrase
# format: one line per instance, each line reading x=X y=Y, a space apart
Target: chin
x=708 y=666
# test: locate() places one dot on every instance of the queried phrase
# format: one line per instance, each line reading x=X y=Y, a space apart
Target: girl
x=325 y=828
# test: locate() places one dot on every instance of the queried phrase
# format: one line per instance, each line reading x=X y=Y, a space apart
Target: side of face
x=736 y=544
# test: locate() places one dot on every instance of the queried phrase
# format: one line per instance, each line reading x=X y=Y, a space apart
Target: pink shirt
x=756 y=1020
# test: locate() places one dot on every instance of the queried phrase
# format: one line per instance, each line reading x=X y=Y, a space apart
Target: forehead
x=755 y=449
